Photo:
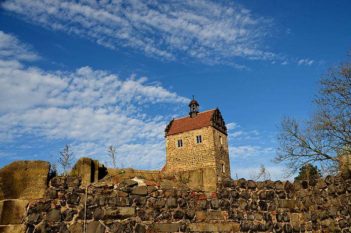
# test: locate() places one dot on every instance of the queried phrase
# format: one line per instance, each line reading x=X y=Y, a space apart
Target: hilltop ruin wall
x=238 y=206
x=68 y=205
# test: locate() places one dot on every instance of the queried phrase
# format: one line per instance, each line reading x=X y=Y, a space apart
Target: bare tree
x=65 y=159
x=111 y=151
x=262 y=174
x=327 y=135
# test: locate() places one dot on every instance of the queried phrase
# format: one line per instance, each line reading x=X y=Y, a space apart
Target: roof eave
x=189 y=130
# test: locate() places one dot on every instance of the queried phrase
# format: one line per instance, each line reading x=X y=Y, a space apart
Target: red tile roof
x=180 y=125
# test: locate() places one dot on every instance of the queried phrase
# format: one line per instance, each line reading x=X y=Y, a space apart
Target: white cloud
x=143 y=156
x=231 y=126
x=90 y=108
x=236 y=135
x=249 y=151
x=246 y=143
x=12 y=48
x=305 y=61
x=206 y=30
x=23 y=88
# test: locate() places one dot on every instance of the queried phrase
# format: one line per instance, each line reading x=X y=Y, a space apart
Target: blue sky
x=115 y=72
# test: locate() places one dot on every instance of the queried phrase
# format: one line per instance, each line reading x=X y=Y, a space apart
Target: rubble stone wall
x=238 y=206
x=191 y=155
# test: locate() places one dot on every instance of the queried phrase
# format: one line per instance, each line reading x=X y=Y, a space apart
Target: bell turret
x=194 y=108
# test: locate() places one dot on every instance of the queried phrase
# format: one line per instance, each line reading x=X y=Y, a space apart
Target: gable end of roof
x=203 y=119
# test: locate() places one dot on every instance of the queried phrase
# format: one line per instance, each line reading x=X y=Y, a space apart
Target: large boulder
x=24 y=180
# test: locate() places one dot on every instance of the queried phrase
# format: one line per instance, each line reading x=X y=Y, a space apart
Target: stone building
x=197 y=141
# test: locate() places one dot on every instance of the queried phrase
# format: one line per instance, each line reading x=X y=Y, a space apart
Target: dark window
x=198 y=139
x=180 y=143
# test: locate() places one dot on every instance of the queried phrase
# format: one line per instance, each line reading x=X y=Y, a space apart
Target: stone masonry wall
x=191 y=155
x=238 y=206
x=194 y=155
x=221 y=153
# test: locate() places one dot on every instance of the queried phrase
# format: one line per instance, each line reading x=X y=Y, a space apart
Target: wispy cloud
x=90 y=108
x=250 y=151
x=235 y=133
x=246 y=143
x=12 y=48
x=286 y=60
x=208 y=31
x=23 y=87
x=231 y=125
x=134 y=155
x=305 y=61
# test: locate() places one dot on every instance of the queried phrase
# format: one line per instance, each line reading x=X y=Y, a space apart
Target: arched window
x=223 y=168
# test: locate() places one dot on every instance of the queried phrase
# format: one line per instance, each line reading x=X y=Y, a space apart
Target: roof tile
x=180 y=125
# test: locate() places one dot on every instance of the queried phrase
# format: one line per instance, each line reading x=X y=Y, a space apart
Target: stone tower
x=198 y=141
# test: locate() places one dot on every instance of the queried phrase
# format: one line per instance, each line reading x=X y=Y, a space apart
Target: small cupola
x=194 y=108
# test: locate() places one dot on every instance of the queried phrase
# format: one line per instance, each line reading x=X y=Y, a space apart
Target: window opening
x=180 y=143
x=198 y=139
